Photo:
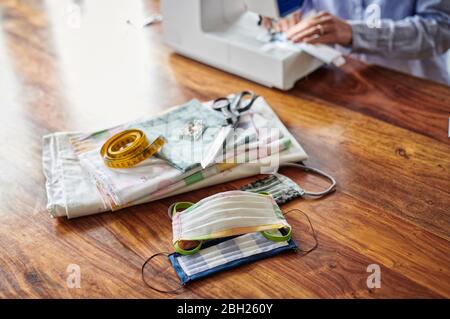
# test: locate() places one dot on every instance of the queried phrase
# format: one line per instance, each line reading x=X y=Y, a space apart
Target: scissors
x=232 y=109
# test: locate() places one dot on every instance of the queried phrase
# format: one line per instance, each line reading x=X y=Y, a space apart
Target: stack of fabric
x=79 y=184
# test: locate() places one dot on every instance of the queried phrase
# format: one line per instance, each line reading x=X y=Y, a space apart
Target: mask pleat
x=234 y=196
x=236 y=193
x=258 y=202
x=203 y=213
x=234 y=218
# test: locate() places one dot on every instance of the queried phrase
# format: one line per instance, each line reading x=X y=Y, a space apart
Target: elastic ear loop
x=313 y=231
x=330 y=189
x=172 y=211
x=173 y=208
x=275 y=238
x=174 y=291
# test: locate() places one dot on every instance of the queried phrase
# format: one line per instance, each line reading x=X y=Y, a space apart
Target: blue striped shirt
x=412 y=36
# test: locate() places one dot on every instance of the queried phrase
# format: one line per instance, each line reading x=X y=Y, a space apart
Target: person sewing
x=411 y=36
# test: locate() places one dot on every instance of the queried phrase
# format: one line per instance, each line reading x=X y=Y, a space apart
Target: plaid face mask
x=219 y=255
x=231 y=253
x=283 y=189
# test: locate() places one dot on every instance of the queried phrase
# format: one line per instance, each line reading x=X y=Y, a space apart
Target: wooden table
x=382 y=134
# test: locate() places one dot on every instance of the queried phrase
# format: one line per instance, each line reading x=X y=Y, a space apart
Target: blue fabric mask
x=219 y=255
x=226 y=255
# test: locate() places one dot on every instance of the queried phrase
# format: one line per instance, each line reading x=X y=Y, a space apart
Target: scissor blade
x=216 y=147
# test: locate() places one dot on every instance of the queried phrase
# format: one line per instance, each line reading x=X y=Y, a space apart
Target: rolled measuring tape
x=129 y=148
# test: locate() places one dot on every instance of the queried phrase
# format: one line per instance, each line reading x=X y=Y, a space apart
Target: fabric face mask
x=220 y=255
x=283 y=189
x=226 y=255
x=227 y=214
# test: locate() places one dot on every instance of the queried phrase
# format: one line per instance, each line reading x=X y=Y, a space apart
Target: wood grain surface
x=382 y=134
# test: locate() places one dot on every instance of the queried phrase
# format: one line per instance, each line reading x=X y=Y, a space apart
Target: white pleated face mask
x=227 y=214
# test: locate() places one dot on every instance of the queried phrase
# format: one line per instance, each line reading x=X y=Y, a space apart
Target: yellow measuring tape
x=129 y=148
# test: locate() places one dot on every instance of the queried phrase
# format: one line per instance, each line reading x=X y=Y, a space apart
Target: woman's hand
x=321 y=28
x=284 y=24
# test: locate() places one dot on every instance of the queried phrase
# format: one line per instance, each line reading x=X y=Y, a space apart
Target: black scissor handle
x=244 y=96
x=232 y=108
x=221 y=103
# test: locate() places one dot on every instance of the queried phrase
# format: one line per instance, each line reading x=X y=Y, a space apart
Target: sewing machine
x=226 y=35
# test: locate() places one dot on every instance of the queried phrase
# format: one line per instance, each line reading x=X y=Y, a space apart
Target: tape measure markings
x=128 y=148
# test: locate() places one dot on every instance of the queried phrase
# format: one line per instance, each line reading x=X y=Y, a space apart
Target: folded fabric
x=122 y=186
x=229 y=163
x=72 y=192
x=183 y=153
x=180 y=150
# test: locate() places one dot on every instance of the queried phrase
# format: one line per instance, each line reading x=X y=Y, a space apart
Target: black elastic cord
x=174 y=291
x=314 y=234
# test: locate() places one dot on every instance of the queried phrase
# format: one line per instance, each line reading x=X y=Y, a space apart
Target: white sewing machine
x=226 y=35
